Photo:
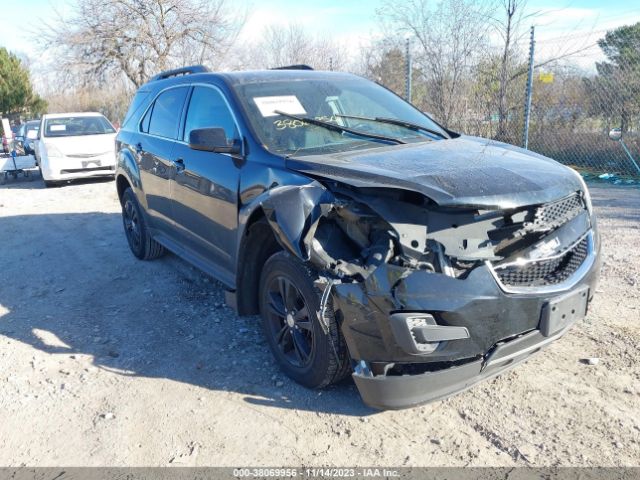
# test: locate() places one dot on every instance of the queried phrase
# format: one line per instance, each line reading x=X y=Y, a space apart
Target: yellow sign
x=546 y=77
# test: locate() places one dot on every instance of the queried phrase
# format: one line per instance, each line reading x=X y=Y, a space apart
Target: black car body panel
x=464 y=171
x=477 y=303
x=441 y=257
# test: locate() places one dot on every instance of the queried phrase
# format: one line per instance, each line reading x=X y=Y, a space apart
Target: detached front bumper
x=396 y=392
x=503 y=329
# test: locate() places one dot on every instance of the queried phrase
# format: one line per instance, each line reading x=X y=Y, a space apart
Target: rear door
x=154 y=147
x=205 y=186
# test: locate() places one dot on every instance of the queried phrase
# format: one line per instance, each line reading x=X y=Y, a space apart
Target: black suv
x=371 y=240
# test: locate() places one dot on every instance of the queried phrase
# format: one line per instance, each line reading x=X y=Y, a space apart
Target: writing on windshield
x=333 y=114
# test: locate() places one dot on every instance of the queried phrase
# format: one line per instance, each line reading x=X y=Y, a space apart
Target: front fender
x=292 y=212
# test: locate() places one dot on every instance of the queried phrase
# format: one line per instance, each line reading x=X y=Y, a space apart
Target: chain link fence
x=575 y=102
x=573 y=112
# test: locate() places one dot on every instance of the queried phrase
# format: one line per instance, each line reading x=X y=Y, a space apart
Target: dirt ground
x=106 y=360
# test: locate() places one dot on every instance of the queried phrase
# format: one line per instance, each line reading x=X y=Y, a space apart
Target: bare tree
x=138 y=38
x=291 y=44
x=384 y=62
x=508 y=26
x=449 y=39
x=512 y=67
x=112 y=103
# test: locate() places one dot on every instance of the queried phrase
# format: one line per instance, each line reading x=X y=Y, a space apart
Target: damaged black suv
x=371 y=240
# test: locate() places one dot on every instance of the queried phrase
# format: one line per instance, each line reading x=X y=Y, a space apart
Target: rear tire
x=288 y=305
x=135 y=228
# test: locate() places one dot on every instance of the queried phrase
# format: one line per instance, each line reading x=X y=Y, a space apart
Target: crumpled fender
x=293 y=212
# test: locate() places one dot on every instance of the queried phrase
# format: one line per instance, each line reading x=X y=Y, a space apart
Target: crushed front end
x=433 y=299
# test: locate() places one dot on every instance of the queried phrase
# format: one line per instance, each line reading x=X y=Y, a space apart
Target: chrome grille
x=546 y=271
x=552 y=215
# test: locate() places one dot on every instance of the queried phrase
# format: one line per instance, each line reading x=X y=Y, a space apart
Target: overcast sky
x=560 y=24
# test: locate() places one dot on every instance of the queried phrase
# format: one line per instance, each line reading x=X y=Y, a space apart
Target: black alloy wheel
x=312 y=354
x=141 y=243
x=289 y=321
x=131 y=222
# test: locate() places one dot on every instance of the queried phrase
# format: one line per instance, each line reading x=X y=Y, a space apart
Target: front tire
x=288 y=305
x=135 y=228
x=47 y=183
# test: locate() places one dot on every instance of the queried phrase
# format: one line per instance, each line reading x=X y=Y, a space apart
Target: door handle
x=179 y=164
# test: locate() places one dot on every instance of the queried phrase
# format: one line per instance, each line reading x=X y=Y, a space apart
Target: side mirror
x=211 y=140
x=615 y=134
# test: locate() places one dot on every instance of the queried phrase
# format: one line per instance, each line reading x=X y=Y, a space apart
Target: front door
x=205 y=184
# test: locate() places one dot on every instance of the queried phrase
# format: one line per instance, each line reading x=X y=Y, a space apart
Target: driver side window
x=207 y=109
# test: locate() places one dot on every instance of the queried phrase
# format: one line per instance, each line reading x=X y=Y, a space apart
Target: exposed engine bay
x=435 y=295
x=348 y=232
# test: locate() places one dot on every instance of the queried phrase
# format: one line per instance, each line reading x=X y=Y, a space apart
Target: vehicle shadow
x=33 y=181
x=75 y=290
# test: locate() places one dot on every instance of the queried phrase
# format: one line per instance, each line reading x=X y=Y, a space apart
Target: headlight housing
x=52 y=150
x=585 y=192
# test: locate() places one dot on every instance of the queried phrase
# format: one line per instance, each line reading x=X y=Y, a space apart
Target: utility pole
x=529 y=92
x=408 y=73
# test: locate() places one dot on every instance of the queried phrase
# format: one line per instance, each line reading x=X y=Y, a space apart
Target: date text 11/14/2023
x=319 y=472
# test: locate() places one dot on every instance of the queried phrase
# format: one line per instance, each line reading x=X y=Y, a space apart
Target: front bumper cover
x=504 y=329
x=396 y=392
x=67 y=168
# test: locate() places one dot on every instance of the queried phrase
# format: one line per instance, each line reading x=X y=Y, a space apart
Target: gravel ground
x=106 y=360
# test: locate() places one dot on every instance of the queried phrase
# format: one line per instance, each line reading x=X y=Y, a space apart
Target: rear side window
x=144 y=124
x=167 y=109
x=31 y=129
x=136 y=104
x=207 y=108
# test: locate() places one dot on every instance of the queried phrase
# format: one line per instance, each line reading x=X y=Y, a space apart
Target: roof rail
x=179 y=71
x=293 y=67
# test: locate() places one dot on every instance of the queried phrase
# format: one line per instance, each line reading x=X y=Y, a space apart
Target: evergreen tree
x=16 y=92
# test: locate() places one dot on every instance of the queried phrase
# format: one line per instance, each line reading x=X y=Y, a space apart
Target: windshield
x=74 y=126
x=273 y=105
x=31 y=130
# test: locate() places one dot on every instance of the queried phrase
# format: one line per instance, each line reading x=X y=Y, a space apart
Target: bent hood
x=466 y=171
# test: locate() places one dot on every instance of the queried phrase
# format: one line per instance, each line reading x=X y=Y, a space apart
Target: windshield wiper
x=400 y=123
x=340 y=128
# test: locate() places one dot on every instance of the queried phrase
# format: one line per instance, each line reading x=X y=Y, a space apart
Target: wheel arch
x=122 y=183
x=128 y=174
x=280 y=218
x=257 y=244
